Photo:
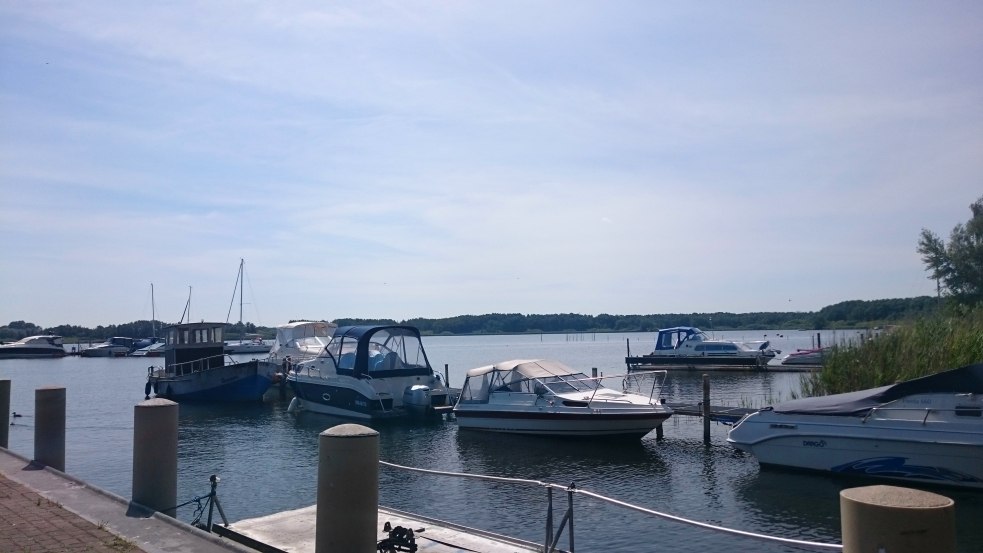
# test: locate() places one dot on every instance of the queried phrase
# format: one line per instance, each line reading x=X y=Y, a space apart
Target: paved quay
x=43 y=510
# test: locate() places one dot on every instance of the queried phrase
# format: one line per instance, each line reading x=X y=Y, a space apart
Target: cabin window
x=218 y=334
x=185 y=336
x=968 y=411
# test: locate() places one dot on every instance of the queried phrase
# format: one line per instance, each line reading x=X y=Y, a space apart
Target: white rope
x=765 y=537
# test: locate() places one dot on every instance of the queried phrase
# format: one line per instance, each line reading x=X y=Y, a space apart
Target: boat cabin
x=671 y=338
x=194 y=347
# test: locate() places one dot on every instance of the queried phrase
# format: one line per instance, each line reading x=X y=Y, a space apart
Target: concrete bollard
x=49 y=426
x=155 y=455
x=4 y=413
x=347 y=489
x=890 y=519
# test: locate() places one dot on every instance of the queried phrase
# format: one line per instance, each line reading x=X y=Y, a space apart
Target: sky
x=433 y=159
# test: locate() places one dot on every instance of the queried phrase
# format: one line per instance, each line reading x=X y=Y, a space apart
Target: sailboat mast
x=153 y=312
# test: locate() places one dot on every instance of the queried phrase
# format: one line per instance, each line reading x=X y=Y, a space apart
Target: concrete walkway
x=44 y=510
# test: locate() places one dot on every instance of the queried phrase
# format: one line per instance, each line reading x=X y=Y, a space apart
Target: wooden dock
x=718 y=413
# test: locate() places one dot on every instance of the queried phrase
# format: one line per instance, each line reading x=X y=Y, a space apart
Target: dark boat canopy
x=379 y=351
x=964 y=380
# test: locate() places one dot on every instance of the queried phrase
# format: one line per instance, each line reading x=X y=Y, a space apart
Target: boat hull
x=31 y=353
x=114 y=351
x=354 y=398
x=913 y=451
x=240 y=382
x=683 y=362
x=574 y=422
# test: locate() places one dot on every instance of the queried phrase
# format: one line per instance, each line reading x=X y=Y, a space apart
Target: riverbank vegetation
x=843 y=315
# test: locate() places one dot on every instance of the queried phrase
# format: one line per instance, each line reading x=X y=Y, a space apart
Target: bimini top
x=964 y=380
x=299 y=330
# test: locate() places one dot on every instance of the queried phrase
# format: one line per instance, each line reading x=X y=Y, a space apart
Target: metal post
x=347 y=489
x=4 y=413
x=49 y=426
x=570 y=512
x=706 y=409
x=447 y=376
x=549 y=518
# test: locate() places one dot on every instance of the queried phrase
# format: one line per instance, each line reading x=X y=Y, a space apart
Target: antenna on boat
x=153 y=312
x=187 y=308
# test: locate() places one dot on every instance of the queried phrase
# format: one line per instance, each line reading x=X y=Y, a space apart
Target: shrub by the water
x=918 y=348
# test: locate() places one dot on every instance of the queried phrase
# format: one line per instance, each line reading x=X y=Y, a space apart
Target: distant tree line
x=848 y=314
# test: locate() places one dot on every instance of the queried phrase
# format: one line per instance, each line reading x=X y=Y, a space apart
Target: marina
x=266 y=455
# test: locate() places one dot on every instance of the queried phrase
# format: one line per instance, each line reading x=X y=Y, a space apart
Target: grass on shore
x=918 y=348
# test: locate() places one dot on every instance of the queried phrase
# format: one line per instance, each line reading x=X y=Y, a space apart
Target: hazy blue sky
x=401 y=159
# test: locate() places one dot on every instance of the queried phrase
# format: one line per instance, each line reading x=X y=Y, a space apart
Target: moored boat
x=41 y=346
x=927 y=430
x=252 y=343
x=196 y=368
x=811 y=357
x=686 y=347
x=117 y=346
x=548 y=398
x=369 y=372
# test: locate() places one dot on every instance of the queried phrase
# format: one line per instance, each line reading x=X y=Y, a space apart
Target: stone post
x=155 y=455
x=896 y=520
x=49 y=426
x=347 y=489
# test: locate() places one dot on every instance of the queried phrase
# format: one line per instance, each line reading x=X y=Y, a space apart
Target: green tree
x=958 y=265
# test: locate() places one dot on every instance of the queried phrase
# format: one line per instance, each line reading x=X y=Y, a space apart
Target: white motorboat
x=47 y=345
x=369 y=372
x=196 y=368
x=927 y=430
x=811 y=357
x=548 y=398
x=301 y=340
x=252 y=343
x=686 y=347
x=117 y=346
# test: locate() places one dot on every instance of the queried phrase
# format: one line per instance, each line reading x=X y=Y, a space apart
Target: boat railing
x=198 y=365
x=553 y=533
x=923 y=412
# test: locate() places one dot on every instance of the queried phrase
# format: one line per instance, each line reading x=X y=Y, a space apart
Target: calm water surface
x=267 y=458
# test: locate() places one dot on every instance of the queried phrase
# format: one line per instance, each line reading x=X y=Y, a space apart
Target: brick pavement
x=30 y=523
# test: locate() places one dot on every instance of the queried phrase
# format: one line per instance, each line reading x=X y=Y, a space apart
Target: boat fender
x=146 y=390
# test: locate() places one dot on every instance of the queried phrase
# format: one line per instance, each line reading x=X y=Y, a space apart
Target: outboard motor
x=416 y=398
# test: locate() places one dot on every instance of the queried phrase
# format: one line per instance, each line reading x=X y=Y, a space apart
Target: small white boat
x=548 y=398
x=369 y=372
x=154 y=349
x=252 y=343
x=301 y=340
x=928 y=430
x=812 y=357
x=42 y=346
x=687 y=347
x=117 y=346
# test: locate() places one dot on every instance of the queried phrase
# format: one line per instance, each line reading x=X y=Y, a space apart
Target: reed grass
x=917 y=348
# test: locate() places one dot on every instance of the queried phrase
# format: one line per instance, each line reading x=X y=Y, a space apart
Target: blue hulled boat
x=197 y=369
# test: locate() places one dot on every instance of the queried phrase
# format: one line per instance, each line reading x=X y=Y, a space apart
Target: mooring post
x=49 y=426
x=4 y=413
x=155 y=423
x=347 y=489
x=447 y=376
x=896 y=520
x=706 y=408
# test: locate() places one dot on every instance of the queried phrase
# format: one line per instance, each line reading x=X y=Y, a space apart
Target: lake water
x=267 y=458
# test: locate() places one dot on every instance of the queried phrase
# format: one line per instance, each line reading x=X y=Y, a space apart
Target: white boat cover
x=303 y=329
x=964 y=380
x=528 y=368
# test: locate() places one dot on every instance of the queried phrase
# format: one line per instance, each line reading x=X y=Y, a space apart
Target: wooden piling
x=447 y=376
x=49 y=426
x=4 y=413
x=706 y=409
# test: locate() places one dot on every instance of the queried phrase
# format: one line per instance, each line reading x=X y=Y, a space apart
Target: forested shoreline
x=847 y=314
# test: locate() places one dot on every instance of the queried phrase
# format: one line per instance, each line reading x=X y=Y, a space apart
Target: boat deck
x=294 y=532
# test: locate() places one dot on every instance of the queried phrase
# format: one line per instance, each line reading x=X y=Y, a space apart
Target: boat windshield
x=576 y=382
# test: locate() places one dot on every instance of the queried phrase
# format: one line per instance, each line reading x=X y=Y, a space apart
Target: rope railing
x=624 y=504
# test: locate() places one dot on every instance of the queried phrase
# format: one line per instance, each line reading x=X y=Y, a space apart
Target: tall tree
x=958 y=265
